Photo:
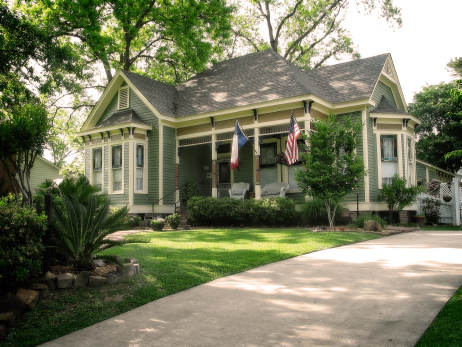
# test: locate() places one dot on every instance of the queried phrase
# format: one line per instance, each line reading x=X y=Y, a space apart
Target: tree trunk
x=390 y=215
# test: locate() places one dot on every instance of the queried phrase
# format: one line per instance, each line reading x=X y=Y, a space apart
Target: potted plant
x=173 y=220
x=419 y=219
x=157 y=224
x=447 y=198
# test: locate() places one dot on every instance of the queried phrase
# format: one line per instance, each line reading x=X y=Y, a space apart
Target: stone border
x=14 y=305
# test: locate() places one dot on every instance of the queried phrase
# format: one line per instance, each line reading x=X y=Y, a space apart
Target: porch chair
x=276 y=189
x=238 y=190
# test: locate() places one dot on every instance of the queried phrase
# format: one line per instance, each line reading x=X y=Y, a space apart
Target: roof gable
x=122 y=117
x=385 y=106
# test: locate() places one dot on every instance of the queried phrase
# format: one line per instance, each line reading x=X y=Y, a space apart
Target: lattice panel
x=196 y=141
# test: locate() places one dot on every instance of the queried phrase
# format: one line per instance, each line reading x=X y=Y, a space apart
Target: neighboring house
x=41 y=171
x=144 y=139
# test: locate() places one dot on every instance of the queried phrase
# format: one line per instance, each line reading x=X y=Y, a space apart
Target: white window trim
x=110 y=183
x=399 y=169
x=92 y=180
x=128 y=98
x=145 y=168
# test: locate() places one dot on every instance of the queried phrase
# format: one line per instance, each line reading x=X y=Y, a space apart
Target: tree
x=456 y=66
x=163 y=39
x=439 y=132
x=398 y=195
x=306 y=32
x=456 y=94
x=332 y=169
x=23 y=132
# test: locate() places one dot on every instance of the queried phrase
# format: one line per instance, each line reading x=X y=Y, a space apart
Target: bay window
x=97 y=168
x=389 y=154
x=117 y=168
x=139 y=167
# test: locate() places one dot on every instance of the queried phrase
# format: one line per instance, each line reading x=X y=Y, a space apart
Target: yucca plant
x=80 y=231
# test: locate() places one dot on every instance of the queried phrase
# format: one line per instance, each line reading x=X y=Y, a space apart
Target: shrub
x=132 y=220
x=359 y=222
x=431 y=210
x=21 y=231
x=191 y=189
x=314 y=212
x=173 y=220
x=158 y=223
x=229 y=212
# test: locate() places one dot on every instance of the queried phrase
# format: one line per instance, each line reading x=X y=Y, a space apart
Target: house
x=144 y=139
x=42 y=170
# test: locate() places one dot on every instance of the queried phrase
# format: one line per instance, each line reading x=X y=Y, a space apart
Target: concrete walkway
x=383 y=292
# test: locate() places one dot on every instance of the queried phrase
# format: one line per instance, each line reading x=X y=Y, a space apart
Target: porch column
x=177 y=174
x=366 y=156
x=257 y=163
x=456 y=200
x=214 y=167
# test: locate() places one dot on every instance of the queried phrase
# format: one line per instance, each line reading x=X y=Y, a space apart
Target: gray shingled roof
x=386 y=106
x=126 y=116
x=348 y=81
x=259 y=77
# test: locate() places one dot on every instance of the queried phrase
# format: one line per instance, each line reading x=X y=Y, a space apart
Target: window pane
x=139 y=179
x=117 y=179
x=97 y=159
x=117 y=156
x=388 y=148
x=267 y=155
x=98 y=179
x=139 y=156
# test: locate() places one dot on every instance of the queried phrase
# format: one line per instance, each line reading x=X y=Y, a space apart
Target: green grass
x=446 y=329
x=441 y=227
x=172 y=262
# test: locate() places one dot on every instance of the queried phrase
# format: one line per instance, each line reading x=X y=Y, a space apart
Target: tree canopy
x=306 y=32
x=332 y=169
x=439 y=132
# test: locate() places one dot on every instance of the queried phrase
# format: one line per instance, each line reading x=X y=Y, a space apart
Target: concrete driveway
x=383 y=292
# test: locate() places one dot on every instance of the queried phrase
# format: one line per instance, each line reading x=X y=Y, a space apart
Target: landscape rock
x=130 y=261
x=49 y=283
x=129 y=270
x=96 y=281
x=137 y=267
x=28 y=297
x=372 y=225
x=64 y=281
x=99 y=262
x=7 y=318
x=81 y=280
x=114 y=278
x=41 y=288
x=49 y=276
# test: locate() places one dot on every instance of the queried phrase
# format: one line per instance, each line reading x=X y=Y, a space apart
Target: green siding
x=356 y=116
x=42 y=171
x=87 y=163
x=192 y=162
x=106 y=169
x=380 y=90
x=110 y=109
x=245 y=172
x=169 y=145
x=431 y=175
x=421 y=172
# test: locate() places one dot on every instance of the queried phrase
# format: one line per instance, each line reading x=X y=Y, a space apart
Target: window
x=123 y=101
x=267 y=153
x=117 y=168
x=97 y=168
x=139 y=167
x=389 y=151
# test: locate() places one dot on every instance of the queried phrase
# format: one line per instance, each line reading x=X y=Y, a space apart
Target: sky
x=421 y=48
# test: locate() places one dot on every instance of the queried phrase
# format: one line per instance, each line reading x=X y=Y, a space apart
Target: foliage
x=447 y=198
x=173 y=220
x=456 y=94
x=439 y=132
x=332 y=167
x=190 y=189
x=431 y=209
x=23 y=132
x=132 y=220
x=398 y=195
x=363 y=218
x=314 y=212
x=305 y=32
x=21 y=231
x=158 y=223
x=270 y=212
x=456 y=66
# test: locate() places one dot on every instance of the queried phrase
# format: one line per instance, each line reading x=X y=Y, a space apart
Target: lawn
x=446 y=329
x=172 y=262
x=441 y=227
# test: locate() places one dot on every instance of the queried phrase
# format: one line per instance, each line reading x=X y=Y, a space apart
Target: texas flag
x=239 y=140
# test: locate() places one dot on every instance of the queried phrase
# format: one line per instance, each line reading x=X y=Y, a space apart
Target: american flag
x=291 y=152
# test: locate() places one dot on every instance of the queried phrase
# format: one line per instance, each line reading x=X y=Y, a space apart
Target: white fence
x=449 y=211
